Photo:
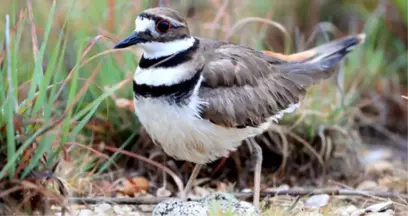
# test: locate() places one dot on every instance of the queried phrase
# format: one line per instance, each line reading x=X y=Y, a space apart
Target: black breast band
x=177 y=92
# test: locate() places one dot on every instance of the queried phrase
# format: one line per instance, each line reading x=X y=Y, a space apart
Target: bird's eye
x=163 y=26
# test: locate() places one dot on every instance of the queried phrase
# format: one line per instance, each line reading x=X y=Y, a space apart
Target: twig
x=277 y=192
x=176 y=179
x=244 y=21
x=220 y=13
x=330 y=191
x=112 y=200
x=34 y=39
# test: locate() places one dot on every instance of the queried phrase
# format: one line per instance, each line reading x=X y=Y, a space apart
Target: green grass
x=63 y=72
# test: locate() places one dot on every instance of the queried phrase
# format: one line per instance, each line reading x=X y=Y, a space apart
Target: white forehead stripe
x=143 y=24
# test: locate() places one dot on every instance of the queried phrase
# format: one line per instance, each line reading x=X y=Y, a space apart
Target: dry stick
x=277 y=192
x=376 y=196
x=34 y=39
x=217 y=18
x=244 y=21
x=311 y=149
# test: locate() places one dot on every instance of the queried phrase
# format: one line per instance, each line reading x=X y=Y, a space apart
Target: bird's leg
x=257 y=174
x=191 y=180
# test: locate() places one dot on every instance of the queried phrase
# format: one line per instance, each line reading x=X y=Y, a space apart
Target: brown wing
x=243 y=87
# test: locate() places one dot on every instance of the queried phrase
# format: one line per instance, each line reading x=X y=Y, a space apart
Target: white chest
x=183 y=134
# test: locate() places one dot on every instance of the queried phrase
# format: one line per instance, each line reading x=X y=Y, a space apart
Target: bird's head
x=159 y=32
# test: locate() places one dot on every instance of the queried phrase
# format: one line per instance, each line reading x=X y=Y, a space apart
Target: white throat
x=154 y=50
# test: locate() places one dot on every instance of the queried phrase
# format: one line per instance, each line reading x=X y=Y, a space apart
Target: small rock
x=367 y=185
x=281 y=187
x=218 y=196
x=346 y=211
x=246 y=209
x=145 y=208
x=380 y=207
x=358 y=212
x=118 y=210
x=396 y=184
x=374 y=155
x=310 y=214
x=134 y=214
x=163 y=192
x=246 y=190
x=103 y=209
x=85 y=212
x=350 y=209
x=386 y=213
x=380 y=168
x=284 y=187
x=200 y=191
x=178 y=207
x=317 y=201
x=221 y=203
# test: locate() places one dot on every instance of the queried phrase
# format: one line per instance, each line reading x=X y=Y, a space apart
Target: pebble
x=104 y=207
x=85 y=212
x=218 y=203
x=227 y=203
x=178 y=207
x=380 y=168
x=317 y=201
x=367 y=185
x=118 y=210
x=163 y=192
x=379 y=207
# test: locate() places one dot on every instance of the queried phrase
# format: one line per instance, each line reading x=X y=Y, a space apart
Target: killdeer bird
x=200 y=98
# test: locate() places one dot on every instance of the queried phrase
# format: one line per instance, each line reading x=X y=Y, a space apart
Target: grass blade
x=11 y=104
x=38 y=69
x=116 y=154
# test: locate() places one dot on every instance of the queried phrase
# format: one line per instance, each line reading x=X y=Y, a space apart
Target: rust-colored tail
x=337 y=47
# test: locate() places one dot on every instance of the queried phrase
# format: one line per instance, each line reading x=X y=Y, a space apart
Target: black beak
x=129 y=41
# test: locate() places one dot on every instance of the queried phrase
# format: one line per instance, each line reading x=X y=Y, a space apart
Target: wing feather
x=243 y=87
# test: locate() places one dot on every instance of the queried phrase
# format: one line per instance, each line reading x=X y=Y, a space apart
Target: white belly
x=184 y=135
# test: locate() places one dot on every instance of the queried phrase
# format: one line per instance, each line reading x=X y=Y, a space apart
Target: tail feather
x=322 y=61
x=340 y=47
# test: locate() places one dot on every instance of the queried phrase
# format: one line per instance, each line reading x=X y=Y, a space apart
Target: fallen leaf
x=134 y=186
